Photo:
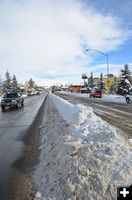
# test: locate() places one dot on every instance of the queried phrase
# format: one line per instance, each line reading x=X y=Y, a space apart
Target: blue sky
x=123 y=11
x=46 y=40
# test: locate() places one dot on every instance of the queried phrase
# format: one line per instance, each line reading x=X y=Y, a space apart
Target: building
x=76 y=88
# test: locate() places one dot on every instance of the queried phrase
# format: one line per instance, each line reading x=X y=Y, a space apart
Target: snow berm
x=82 y=157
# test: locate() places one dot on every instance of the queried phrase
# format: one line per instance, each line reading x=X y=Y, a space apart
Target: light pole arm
x=97 y=51
x=104 y=55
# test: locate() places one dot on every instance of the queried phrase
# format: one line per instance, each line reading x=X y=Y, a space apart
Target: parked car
x=128 y=97
x=84 y=90
x=29 y=93
x=96 y=93
x=12 y=99
x=38 y=93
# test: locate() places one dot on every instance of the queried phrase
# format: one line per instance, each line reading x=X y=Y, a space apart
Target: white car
x=128 y=98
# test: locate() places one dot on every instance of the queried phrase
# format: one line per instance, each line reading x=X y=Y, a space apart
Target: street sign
x=108 y=83
x=84 y=76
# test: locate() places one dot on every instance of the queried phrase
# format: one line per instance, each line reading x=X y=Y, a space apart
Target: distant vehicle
x=56 y=88
x=29 y=93
x=33 y=93
x=96 y=93
x=128 y=97
x=11 y=99
x=84 y=90
x=38 y=93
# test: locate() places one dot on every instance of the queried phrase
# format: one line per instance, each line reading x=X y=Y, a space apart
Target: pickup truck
x=11 y=99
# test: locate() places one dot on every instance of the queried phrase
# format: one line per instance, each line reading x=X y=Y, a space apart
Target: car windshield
x=10 y=95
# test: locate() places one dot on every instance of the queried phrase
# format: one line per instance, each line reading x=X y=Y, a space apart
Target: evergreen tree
x=101 y=84
x=124 y=84
x=31 y=83
x=7 y=83
x=1 y=85
x=101 y=77
x=110 y=75
x=113 y=87
x=0 y=79
x=126 y=73
x=91 y=81
x=14 y=83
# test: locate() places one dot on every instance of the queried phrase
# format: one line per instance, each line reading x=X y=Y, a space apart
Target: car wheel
x=17 y=106
x=127 y=100
x=3 y=108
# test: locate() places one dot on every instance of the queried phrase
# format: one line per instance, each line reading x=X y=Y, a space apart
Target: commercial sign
x=84 y=76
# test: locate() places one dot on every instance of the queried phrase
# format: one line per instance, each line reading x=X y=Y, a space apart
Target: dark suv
x=12 y=100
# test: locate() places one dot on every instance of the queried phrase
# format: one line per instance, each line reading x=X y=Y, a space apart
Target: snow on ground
x=24 y=95
x=82 y=157
x=75 y=94
x=0 y=99
x=114 y=98
x=107 y=97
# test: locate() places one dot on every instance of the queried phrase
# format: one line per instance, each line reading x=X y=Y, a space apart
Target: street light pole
x=104 y=55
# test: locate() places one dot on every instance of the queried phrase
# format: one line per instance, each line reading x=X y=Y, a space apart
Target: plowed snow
x=82 y=157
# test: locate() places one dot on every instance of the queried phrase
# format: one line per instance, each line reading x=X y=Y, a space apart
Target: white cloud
x=46 y=38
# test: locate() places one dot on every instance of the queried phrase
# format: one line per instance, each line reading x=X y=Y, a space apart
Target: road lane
x=13 y=126
x=116 y=114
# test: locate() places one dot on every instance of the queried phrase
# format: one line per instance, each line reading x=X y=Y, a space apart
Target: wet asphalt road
x=13 y=126
x=115 y=113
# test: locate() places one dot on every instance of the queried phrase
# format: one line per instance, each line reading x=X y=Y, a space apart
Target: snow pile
x=82 y=157
x=83 y=122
